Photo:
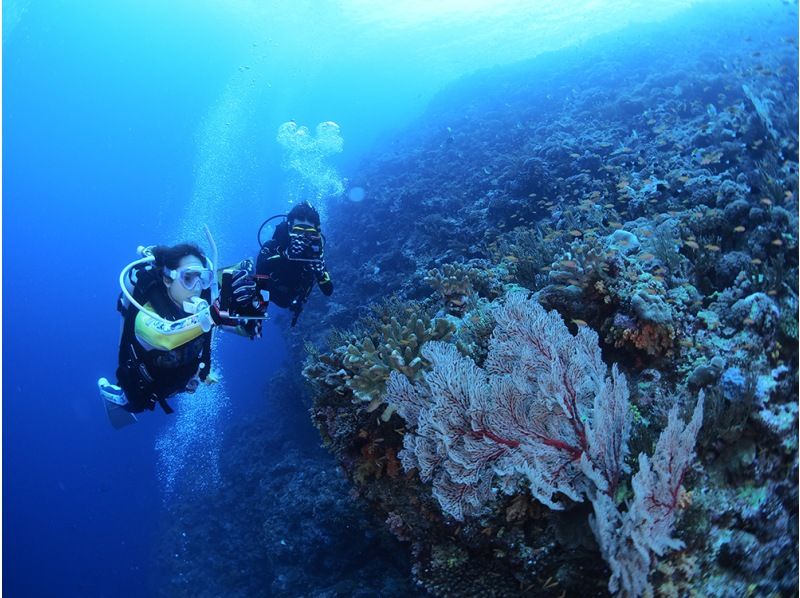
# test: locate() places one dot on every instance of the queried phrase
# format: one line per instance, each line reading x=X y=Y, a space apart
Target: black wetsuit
x=151 y=376
x=289 y=282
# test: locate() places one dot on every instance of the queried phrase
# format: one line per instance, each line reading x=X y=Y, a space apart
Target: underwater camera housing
x=305 y=246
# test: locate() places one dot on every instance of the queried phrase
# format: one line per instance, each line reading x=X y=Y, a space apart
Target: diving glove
x=243 y=287
x=317 y=267
x=252 y=328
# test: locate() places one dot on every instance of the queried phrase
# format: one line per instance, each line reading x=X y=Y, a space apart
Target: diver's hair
x=305 y=211
x=170 y=257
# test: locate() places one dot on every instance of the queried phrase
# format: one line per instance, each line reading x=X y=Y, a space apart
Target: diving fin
x=114 y=401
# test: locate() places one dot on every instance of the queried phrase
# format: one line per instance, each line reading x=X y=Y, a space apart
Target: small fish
x=511 y=258
x=772 y=292
x=686 y=342
x=691 y=244
x=615 y=224
x=568 y=264
x=766 y=201
x=788 y=194
x=646 y=257
x=683 y=178
x=748 y=321
x=739 y=229
x=576 y=233
x=712 y=247
x=756 y=261
x=579 y=322
x=776 y=242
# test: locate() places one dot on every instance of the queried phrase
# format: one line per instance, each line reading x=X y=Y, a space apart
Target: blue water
x=129 y=123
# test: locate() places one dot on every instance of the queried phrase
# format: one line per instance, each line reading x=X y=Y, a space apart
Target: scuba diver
x=169 y=309
x=290 y=263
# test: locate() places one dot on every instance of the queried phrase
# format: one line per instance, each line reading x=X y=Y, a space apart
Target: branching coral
x=362 y=367
x=398 y=350
x=454 y=286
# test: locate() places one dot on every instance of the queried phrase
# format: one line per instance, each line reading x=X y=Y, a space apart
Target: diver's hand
x=246 y=264
x=243 y=287
x=252 y=329
x=297 y=246
x=317 y=267
x=216 y=315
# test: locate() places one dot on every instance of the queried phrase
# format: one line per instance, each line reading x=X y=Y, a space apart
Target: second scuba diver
x=288 y=265
x=168 y=312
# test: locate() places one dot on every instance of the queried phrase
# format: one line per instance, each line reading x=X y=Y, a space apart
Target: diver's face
x=176 y=288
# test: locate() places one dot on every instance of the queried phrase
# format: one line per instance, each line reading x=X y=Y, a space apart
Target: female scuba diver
x=168 y=306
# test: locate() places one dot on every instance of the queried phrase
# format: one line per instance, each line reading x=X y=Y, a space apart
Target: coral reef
x=653 y=204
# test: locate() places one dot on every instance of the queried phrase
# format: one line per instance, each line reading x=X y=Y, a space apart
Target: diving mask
x=304 y=230
x=192 y=278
